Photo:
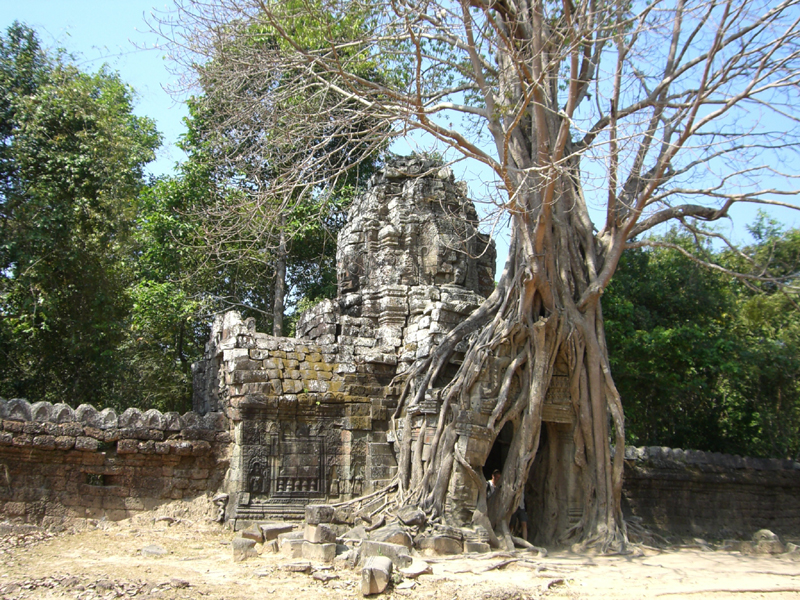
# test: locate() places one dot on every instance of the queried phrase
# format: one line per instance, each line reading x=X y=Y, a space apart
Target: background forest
x=109 y=279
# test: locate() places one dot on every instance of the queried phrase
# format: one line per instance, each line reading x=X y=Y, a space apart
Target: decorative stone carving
x=132 y=417
x=108 y=418
x=41 y=411
x=62 y=413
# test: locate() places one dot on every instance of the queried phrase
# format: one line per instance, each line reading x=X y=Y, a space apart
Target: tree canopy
x=71 y=168
x=702 y=360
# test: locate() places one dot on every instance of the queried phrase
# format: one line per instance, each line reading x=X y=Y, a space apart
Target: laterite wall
x=56 y=462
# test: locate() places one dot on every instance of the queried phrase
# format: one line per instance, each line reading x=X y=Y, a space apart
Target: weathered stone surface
x=319 y=513
x=272 y=531
x=398 y=554
x=302 y=566
x=319 y=552
x=243 y=548
x=416 y=568
x=392 y=535
x=439 y=545
x=766 y=542
x=18 y=409
x=480 y=547
x=319 y=534
x=293 y=547
x=412 y=516
x=375 y=575
x=356 y=533
x=253 y=533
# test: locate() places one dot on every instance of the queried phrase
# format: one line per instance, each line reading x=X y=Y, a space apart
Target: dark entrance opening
x=499 y=452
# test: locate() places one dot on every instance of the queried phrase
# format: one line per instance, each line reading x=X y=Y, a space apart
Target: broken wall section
x=307 y=425
x=58 y=463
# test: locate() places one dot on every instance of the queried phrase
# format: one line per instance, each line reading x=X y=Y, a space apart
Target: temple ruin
x=310 y=416
x=280 y=423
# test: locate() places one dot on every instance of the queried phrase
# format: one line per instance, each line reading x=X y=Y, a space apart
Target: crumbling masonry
x=310 y=415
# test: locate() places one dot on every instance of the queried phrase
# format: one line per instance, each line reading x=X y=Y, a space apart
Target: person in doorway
x=493 y=484
x=520 y=517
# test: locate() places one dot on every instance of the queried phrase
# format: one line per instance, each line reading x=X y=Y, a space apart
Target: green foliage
x=702 y=361
x=71 y=170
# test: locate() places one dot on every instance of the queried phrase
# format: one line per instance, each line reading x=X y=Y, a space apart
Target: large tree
x=670 y=110
x=703 y=360
x=275 y=199
x=71 y=165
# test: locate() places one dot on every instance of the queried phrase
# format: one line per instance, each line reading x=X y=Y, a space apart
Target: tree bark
x=280 y=282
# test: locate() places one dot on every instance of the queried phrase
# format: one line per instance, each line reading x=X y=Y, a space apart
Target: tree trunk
x=536 y=324
x=280 y=282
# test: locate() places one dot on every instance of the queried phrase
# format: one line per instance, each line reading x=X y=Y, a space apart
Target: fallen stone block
x=392 y=535
x=292 y=535
x=271 y=531
x=375 y=575
x=356 y=533
x=479 y=547
x=319 y=552
x=416 y=568
x=252 y=533
x=302 y=566
x=395 y=552
x=319 y=534
x=270 y=547
x=319 y=513
x=439 y=545
x=293 y=548
x=324 y=576
x=243 y=548
x=412 y=516
x=348 y=559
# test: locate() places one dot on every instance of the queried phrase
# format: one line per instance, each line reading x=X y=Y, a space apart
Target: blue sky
x=116 y=32
x=113 y=32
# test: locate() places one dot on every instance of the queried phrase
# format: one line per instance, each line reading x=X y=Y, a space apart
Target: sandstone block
x=439 y=545
x=319 y=513
x=293 y=548
x=319 y=534
x=243 y=548
x=392 y=535
x=398 y=554
x=375 y=575
x=123 y=446
x=412 y=516
x=319 y=552
x=479 y=547
x=416 y=568
x=302 y=566
x=253 y=533
x=271 y=531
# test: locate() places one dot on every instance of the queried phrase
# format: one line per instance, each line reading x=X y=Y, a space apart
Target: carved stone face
x=349 y=272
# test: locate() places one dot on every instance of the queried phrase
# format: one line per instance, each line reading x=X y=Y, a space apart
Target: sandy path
x=107 y=562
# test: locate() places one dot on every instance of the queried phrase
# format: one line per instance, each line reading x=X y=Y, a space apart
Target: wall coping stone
x=19 y=409
x=662 y=456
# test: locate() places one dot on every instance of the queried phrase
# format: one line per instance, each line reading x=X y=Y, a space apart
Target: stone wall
x=56 y=462
x=690 y=492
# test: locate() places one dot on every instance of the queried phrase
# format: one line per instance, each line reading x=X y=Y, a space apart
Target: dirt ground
x=118 y=560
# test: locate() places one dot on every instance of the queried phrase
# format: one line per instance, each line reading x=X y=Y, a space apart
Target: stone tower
x=310 y=414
